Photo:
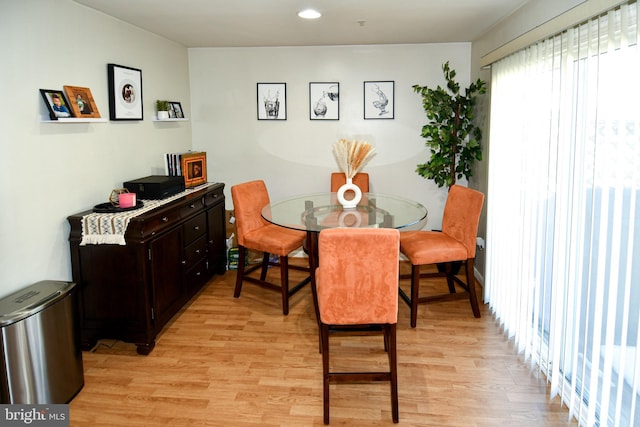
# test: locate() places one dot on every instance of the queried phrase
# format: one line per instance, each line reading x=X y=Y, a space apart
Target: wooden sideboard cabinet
x=129 y=292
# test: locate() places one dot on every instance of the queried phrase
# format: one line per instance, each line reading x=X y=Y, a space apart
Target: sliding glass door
x=563 y=212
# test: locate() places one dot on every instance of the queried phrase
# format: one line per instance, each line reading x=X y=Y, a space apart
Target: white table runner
x=109 y=228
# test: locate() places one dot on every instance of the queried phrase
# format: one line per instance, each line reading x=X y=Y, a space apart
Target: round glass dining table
x=315 y=212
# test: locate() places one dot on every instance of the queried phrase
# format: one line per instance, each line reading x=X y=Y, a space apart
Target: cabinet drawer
x=195 y=251
x=189 y=208
x=213 y=197
x=157 y=223
x=195 y=228
x=196 y=277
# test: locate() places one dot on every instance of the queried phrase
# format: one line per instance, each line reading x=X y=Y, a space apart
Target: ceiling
x=245 y=23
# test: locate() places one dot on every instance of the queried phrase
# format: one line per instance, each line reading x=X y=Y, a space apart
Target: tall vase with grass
x=351 y=156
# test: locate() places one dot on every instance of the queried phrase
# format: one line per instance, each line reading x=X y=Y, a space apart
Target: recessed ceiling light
x=309 y=14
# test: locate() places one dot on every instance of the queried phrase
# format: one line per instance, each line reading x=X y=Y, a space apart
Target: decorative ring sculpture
x=352 y=203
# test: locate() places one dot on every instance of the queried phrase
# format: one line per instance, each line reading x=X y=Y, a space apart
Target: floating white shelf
x=74 y=120
x=155 y=119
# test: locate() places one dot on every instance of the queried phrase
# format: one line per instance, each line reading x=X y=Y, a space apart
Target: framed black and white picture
x=379 y=100
x=272 y=101
x=324 y=101
x=125 y=93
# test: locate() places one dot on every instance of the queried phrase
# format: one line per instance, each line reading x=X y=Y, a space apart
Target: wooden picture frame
x=56 y=103
x=175 y=110
x=324 y=101
x=125 y=93
x=272 y=101
x=194 y=168
x=81 y=102
x=379 y=100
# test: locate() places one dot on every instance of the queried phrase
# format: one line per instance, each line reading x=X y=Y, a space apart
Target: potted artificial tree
x=451 y=135
x=162 y=108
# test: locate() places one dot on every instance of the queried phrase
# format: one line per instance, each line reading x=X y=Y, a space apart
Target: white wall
x=295 y=156
x=49 y=171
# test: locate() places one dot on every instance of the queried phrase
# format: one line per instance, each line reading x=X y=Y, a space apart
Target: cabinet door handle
x=197 y=227
x=198 y=251
x=184 y=262
x=165 y=219
x=192 y=206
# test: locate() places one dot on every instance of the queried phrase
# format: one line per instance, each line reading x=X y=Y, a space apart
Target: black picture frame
x=324 y=101
x=379 y=100
x=175 y=110
x=64 y=111
x=272 y=101
x=125 y=93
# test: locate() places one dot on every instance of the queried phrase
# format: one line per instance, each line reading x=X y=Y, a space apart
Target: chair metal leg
x=242 y=256
x=471 y=283
x=324 y=336
x=284 y=283
x=389 y=332
x=265 y=265
x=415 y=290
x=450 y=284
x=393 y=368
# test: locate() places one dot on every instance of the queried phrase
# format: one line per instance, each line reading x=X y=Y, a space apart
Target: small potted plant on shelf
x=162 y=107
x=452 y=137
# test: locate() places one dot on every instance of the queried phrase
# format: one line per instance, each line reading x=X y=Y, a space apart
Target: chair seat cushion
x=430 y=247
x=274 y=239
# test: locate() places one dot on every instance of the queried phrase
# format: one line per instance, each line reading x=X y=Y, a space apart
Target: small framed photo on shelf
x=81 y=102
x=194 y=168
x=56 y=103
x=379 y=100
x=272 y=101
x=324 y=101
x=125 y=93
x=175 y=110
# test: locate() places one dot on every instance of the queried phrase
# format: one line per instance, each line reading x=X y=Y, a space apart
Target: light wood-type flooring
x=239 y=362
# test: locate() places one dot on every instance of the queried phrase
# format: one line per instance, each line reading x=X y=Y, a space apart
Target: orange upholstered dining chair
x=254 y=232
x=358 y=293
x=456 y=242
x=360 y=179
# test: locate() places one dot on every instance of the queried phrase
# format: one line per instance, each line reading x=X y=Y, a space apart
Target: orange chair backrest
x=361 y=179
x=248 y=200
x=461 y=216
x=357 y=277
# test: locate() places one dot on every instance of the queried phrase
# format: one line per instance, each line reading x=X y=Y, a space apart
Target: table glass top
x=314 y=212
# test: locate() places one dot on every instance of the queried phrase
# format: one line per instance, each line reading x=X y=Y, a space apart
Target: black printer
x=155 y=186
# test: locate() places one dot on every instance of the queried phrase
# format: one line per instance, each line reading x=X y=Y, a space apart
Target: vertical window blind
x=563 y=209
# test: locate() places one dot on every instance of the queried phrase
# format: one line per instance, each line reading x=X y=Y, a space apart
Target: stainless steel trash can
x=40 y=355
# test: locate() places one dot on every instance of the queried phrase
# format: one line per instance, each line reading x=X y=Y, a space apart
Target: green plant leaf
x=450 y=133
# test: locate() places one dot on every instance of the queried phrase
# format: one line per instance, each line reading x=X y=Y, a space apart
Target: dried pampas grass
x=352 y=155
